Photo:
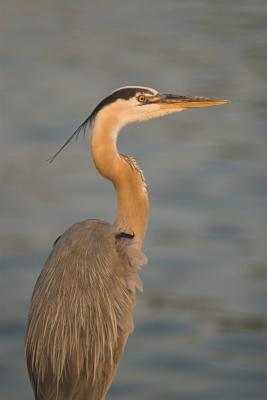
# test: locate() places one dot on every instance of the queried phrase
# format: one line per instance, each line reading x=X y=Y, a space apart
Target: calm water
x=201 y=324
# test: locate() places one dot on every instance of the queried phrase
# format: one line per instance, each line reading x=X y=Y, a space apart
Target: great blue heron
x=82 y=304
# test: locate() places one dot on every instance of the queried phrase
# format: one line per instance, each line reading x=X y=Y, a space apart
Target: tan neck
x=132 y=196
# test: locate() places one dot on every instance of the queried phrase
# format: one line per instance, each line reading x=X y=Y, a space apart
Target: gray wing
x=81 y=312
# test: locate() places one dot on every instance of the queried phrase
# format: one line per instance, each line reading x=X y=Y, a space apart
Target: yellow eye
x=141 y=98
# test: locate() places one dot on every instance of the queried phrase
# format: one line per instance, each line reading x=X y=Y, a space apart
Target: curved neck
x=123 y=172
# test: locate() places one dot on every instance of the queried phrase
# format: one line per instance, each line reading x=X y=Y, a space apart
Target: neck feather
x=124 y=173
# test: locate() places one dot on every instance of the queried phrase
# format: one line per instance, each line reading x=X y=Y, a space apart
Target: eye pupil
x=141 y=98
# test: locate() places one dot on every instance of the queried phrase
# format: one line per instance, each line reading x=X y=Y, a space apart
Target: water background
x=201 y=324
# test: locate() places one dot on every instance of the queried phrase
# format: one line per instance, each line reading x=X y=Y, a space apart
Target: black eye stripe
x=124 y=93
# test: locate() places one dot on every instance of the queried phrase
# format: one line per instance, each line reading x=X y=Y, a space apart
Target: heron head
x=136 y=103
x=130 y=104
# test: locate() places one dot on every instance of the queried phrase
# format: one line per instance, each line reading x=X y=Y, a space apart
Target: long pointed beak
x=170 y=101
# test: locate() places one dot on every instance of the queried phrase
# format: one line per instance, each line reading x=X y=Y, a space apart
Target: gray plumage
x=66 y=356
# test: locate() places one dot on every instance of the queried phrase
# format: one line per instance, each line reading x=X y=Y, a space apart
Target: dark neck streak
x=123 y=172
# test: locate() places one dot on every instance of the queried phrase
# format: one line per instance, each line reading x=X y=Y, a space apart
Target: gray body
x=81 y=312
